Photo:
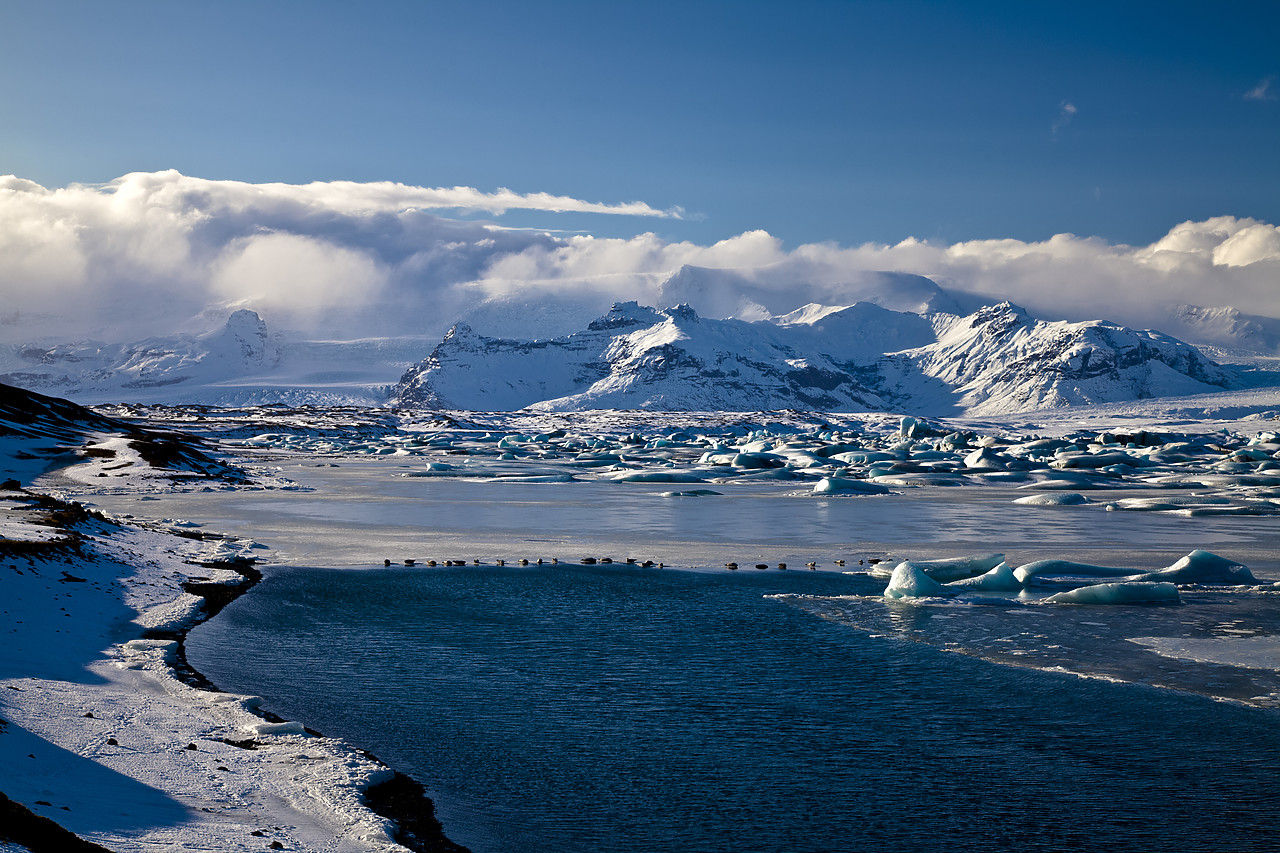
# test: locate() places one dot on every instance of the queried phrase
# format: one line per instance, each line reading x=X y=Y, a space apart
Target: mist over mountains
x=997 y=359
x=154 y=254
x=160 y=287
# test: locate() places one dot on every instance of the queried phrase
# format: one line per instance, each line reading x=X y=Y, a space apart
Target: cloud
x=1221 y=261
x=1262 y=91
x=352 y=198
x=154 y=253
x=1066 y=112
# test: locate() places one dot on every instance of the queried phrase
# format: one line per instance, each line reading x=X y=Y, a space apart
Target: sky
x=684 y=124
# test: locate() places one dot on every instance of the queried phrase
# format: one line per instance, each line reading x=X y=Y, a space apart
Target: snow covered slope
x=1226 y=328
x=240 y=362
x=39 y=432
x=858 y=357
x=1000 y=360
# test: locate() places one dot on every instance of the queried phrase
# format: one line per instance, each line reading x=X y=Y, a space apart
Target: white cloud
x=147 y=253
x=1066 y=112
x=302 y=275
x=1262 y=91
x=350 y=197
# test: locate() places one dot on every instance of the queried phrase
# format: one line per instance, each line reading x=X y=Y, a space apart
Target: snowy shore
x=104 y=735
x=104 y=729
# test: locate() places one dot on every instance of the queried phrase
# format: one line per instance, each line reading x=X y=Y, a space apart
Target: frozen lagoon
x=362 y=512
x=465 y=677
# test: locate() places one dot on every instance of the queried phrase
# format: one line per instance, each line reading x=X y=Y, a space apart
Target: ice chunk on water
x=950 y=568
x=1119 y=593
x=659 y=477
x=909 y=581
x=1203 y=567
x=986 y=459
x=845 y=485
x=1028 y=571
x=999 y=579
x=1053 y=499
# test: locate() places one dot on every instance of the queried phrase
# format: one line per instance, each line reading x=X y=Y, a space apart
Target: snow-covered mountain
x=863 y=356
x=240 y=346
x=1226 y=328
x=240 y=362
x=1000 y=360
x=926 y=356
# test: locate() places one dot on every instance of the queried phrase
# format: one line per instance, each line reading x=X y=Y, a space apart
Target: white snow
x=71 y=679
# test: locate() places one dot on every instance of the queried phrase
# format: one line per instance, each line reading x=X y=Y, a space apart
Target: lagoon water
x=612 y=707
x=571 y=708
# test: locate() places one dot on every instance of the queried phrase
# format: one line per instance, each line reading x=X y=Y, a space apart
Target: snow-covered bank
x=103 y=729
x=102 y=736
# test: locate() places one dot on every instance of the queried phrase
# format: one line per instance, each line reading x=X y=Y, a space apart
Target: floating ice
x=845 y=485
x=951 y=568
x=1053 y=499
x=1203 y=567
x=999 y=579
x=909 y=581
x=1165 y=503
x=1028 y=571
x=986 y=459
x=660 y=477
x=1119 y=593
x=1100 y=460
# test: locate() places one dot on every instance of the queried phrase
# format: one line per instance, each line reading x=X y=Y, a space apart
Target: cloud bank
x=154 y=253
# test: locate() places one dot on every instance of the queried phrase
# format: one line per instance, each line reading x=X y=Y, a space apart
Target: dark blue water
x=592 y=709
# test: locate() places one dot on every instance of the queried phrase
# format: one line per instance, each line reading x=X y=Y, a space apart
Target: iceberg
x=986 y=459
x=1028 y=571
x=659 y=477
x=1202 y=567
x=845 y=485
x=999 y=579
x=951 y=568
x=910 y=581
x=1053 y=499
x=1119 y=593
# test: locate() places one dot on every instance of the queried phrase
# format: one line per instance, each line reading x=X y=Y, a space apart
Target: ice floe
x=1084 y=583
x=1118 y=593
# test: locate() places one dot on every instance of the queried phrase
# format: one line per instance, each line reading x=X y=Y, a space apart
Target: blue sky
x=816 y=121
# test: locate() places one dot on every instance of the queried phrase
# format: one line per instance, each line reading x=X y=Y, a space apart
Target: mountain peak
x=625 y=315
x=683 y=311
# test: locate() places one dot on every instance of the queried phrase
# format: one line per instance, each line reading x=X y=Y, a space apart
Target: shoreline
x=116 y=567
x=401 y=799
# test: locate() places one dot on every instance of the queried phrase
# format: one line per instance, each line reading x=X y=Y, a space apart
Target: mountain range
x=995 y=360
x=899 y=343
